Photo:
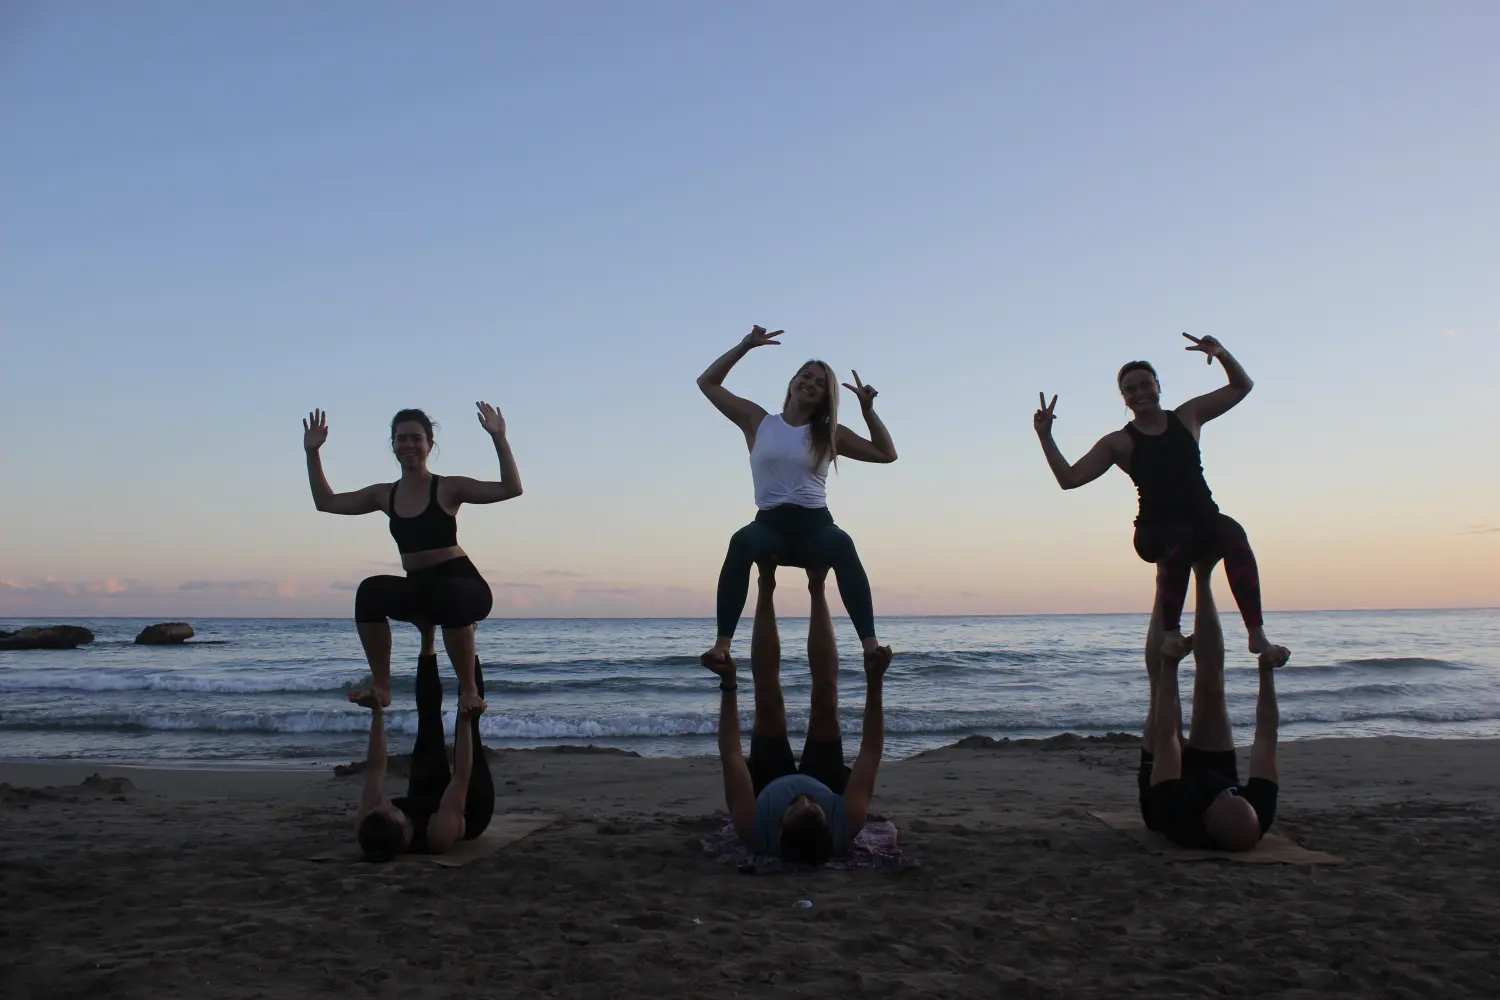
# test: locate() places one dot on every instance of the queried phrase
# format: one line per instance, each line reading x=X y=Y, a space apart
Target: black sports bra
x=431 y=529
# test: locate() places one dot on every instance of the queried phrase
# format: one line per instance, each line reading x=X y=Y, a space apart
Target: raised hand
x=877 y=660
x=866 y=393
x=314 y=430
x=1042 y=421
x=490 y=419
x=758 y=337
x=1208 y=345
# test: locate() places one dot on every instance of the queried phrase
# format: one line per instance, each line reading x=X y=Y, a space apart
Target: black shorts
x=1220 y=761
x=771 y=758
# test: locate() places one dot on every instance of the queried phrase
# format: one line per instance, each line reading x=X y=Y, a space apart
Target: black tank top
x=431 y=529
x=1167 y=470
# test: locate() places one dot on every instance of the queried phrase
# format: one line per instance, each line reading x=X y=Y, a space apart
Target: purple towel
x=873 y=850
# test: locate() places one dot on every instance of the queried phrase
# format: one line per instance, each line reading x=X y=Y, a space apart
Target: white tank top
x=781 y=466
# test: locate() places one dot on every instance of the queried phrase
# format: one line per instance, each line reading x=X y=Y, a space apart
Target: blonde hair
x=824 y=427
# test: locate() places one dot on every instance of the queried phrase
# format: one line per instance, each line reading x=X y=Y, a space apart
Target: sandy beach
x=178 y=883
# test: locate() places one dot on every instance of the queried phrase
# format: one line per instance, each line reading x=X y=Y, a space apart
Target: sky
x=216 y=217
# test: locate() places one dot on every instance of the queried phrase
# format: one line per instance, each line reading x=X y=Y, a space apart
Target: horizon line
x=709 y=618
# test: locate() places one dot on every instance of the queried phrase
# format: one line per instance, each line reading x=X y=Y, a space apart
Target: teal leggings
x=794 y=536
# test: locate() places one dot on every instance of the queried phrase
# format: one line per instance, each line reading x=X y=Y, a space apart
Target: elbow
x=888 y=457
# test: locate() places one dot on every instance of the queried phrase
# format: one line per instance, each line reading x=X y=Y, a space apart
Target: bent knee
x=372 y=599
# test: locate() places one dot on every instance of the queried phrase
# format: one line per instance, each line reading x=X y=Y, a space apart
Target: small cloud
x=89 y=588
x=1478 y=528
x=608 y=590
x=517 y=585
x=343 y=585
x=238 y=588
x=566 y=573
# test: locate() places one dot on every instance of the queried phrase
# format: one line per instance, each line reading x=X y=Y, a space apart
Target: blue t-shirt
x=775 y=797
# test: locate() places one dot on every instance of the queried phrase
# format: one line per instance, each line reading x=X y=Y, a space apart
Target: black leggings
x=794 y=536
x=451 y=594
x=1175 y=547
x=429 y=756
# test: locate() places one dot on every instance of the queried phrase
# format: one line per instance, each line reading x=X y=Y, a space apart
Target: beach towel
x=1273 y=848
x=503 y=830
x=874 y=850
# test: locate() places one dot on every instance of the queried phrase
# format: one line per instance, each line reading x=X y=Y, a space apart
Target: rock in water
x=165 y=634
x=51 y=637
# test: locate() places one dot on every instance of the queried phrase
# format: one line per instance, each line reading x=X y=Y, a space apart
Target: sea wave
x=499 y=725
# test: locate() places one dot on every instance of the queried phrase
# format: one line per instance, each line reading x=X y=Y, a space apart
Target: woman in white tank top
x=790 y=453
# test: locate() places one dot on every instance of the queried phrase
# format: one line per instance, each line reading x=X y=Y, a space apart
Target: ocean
x=258 y=692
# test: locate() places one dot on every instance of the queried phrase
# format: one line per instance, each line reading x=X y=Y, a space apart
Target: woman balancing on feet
x=1179 y=523
x=441 y=586
x=790 y=453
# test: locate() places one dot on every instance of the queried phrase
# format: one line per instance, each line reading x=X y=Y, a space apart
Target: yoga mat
x=875 y=849
x=503 y=830
x=1273 y=848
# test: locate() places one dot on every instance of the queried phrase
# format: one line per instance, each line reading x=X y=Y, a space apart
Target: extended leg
x=1169 y=546
x=750 y=544
x=479 y=806
x=429 y=754
x=379 y=599
x=1210 y=729
x=1244 y=582
x=823 y=661
x=831 y=546
x=765 y=660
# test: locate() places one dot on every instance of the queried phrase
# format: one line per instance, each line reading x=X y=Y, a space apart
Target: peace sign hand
x=1208 y=345
x=866 y=393
x=758 y=337
x=490 y=419
x=314 y=430
x=1042 y=421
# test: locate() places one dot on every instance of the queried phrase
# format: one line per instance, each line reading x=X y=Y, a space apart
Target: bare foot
x=718 y=661
x=369 y=697
x=1175 y=645
x=1274 y=656
x=469 y=703
x=876 y=661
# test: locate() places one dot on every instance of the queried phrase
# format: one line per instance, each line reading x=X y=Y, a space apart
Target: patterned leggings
x=1174 y=547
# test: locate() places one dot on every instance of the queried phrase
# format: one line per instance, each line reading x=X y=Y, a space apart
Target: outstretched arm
x=739 y=790
x=1267 y=722
x=365 y=501
x=1168 y=742
x=466 y=490
x=373 y=795
x=745 y=414
x=1106 y=452
x=860 y=789
x=880 y=447
x=446 y=827
x=1201 y=409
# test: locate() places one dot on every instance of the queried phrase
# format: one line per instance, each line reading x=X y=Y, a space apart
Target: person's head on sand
x=384 y=833
x=1232 y=822
x=806 y=836
x=411 y=439
x=1139 y=387
x=812 y=400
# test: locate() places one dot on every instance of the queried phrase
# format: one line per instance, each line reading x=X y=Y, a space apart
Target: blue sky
x=217 y=217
